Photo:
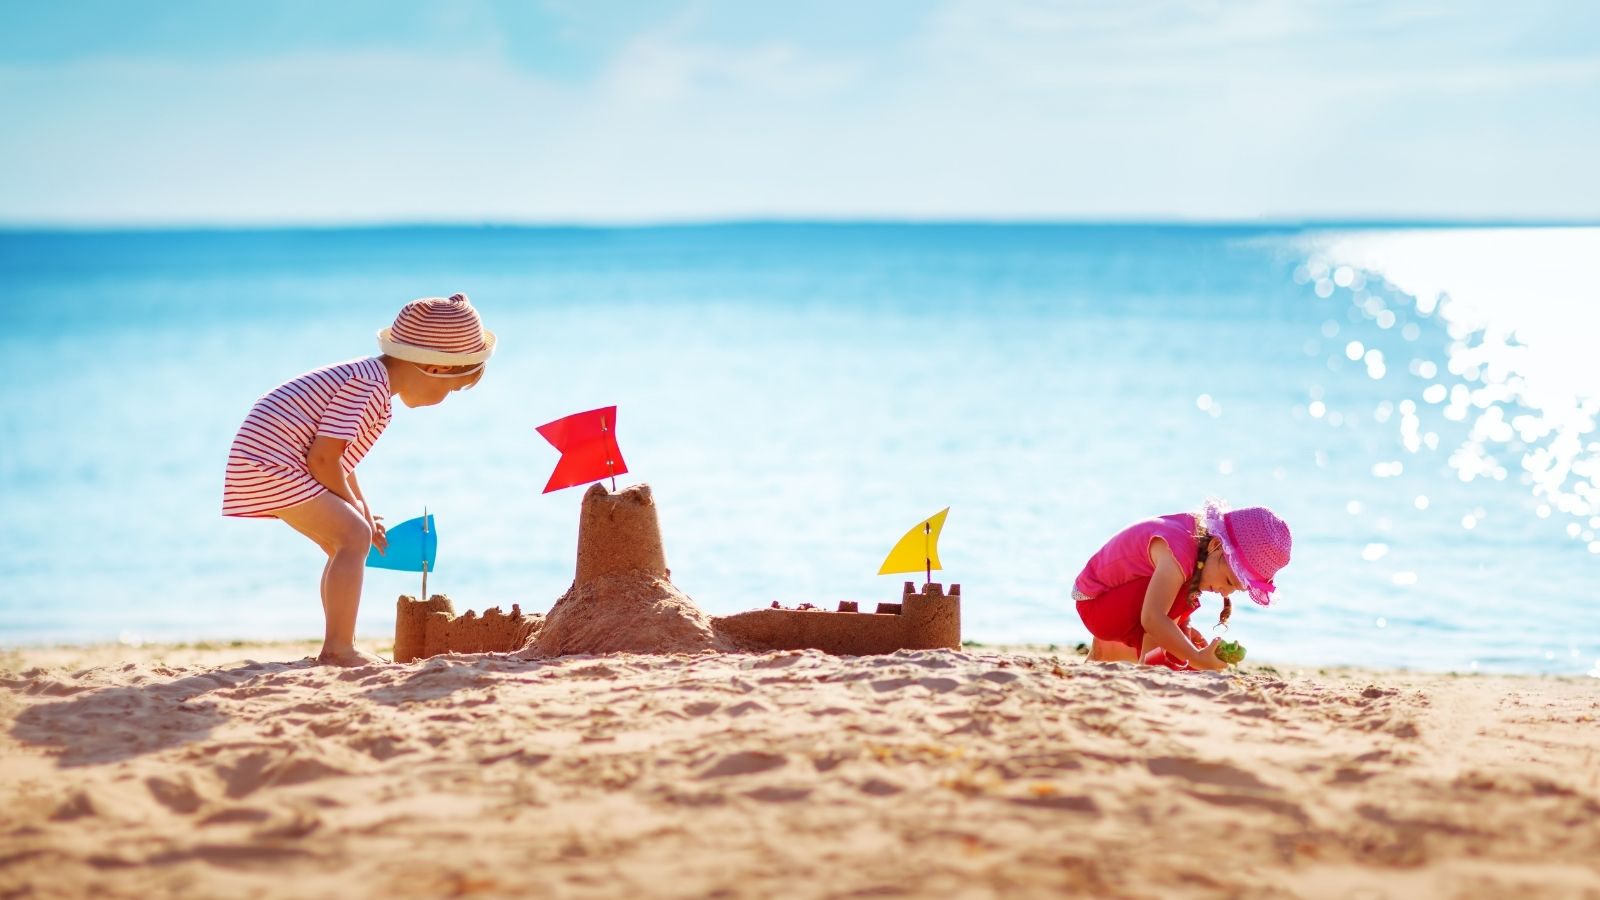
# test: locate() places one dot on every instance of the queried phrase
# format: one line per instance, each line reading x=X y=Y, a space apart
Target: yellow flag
x=918 y=551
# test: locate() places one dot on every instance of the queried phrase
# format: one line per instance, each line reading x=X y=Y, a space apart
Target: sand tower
x=622 y=598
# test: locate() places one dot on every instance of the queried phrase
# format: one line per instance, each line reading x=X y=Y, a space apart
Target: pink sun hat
x=438 y=331
x=1255 y=542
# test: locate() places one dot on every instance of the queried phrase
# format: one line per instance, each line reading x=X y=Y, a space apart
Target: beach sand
x=244 y=771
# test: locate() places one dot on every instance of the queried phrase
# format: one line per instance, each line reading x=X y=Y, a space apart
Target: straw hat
x=1255 y=542
x=438 y=331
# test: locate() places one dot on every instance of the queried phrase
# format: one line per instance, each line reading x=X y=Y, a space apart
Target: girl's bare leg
x=1110 y=651
x=1149 y=645
x=342 y=533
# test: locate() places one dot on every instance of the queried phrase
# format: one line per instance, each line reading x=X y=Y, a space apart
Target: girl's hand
x=380 y=537
x=1207 y=658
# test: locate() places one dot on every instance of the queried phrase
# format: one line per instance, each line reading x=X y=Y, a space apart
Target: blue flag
x=413 y=547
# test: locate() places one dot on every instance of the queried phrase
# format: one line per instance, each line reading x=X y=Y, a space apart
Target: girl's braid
x=1202 y=541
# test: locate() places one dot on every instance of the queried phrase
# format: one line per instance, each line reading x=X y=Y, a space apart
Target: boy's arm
x=1164 y=585
x=380 y=538
x=355 y=488
x=323 y=459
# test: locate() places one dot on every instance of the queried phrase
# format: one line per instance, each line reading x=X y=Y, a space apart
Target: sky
x=192 y=112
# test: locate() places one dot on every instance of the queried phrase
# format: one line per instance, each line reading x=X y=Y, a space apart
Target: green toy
x=1230 y=652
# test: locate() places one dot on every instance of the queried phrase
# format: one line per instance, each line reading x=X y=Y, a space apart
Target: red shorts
x=1114 y=615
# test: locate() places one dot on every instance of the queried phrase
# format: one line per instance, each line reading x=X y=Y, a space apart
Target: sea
x=1418 y=403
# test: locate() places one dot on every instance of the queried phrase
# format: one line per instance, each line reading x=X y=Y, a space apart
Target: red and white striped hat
x=438 y=331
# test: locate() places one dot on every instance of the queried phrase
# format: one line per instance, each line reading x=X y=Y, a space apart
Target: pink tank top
x=1126 y=557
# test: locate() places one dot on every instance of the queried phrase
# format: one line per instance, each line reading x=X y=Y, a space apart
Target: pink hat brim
x=1261 y=594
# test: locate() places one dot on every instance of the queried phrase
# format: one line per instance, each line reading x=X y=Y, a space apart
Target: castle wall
x=429 y=628
x=928 y=621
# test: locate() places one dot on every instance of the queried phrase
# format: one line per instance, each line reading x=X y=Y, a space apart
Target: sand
x=199 y=773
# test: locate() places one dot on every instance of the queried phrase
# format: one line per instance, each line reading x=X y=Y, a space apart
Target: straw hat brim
x=431 y=357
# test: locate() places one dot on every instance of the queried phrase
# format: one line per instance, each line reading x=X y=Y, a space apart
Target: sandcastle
x=622 y=600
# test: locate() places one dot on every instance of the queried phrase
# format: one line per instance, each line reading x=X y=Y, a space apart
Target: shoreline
x=222 y=651
x=195 y=771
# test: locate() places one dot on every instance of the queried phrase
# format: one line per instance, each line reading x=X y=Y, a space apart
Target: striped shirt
x=267 y=467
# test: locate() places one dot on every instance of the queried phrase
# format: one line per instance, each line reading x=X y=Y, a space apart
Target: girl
x=295 y=456
x=1136 y=594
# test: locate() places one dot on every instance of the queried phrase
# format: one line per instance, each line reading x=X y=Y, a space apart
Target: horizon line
x=668 y=223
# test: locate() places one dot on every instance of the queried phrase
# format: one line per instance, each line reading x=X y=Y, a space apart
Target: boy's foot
x=348 y=657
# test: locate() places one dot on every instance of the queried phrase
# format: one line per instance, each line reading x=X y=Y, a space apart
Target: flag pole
x=611 y=464
x=927 y=557
x=424 y=597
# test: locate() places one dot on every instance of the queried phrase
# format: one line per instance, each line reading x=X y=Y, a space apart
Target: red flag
x=588 y=445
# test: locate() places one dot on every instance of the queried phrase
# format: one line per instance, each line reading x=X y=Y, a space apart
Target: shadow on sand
x=108 y=724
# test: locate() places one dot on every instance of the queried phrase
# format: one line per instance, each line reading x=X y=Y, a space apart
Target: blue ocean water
x=797 y=395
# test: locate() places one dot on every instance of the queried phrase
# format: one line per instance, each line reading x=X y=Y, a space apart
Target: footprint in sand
x=237 y=815
x=779 y=794
x=263 y=768
x=749 y=762
x=1066 y=802
x=936 y=685
x=178 y=795
x=1220 y=774
x=878 y=787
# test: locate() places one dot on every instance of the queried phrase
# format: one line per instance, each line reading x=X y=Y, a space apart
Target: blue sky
x=667 y=110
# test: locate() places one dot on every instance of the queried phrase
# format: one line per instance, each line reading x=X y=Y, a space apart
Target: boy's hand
x=380 y=537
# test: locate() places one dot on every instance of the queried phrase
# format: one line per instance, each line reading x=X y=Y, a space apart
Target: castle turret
x=932 y=619
x=411 y=620
x=619 y=532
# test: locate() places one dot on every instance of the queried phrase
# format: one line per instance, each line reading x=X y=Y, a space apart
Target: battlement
x=923 y=620
x=424 y=628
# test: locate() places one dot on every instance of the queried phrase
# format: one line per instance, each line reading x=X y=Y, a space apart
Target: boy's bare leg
x=1110 y=651
x=342 y=533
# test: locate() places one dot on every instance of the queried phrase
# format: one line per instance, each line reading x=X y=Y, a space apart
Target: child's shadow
x=115 y=723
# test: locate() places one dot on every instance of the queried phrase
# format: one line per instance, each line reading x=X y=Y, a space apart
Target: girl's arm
x=1165 y=583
